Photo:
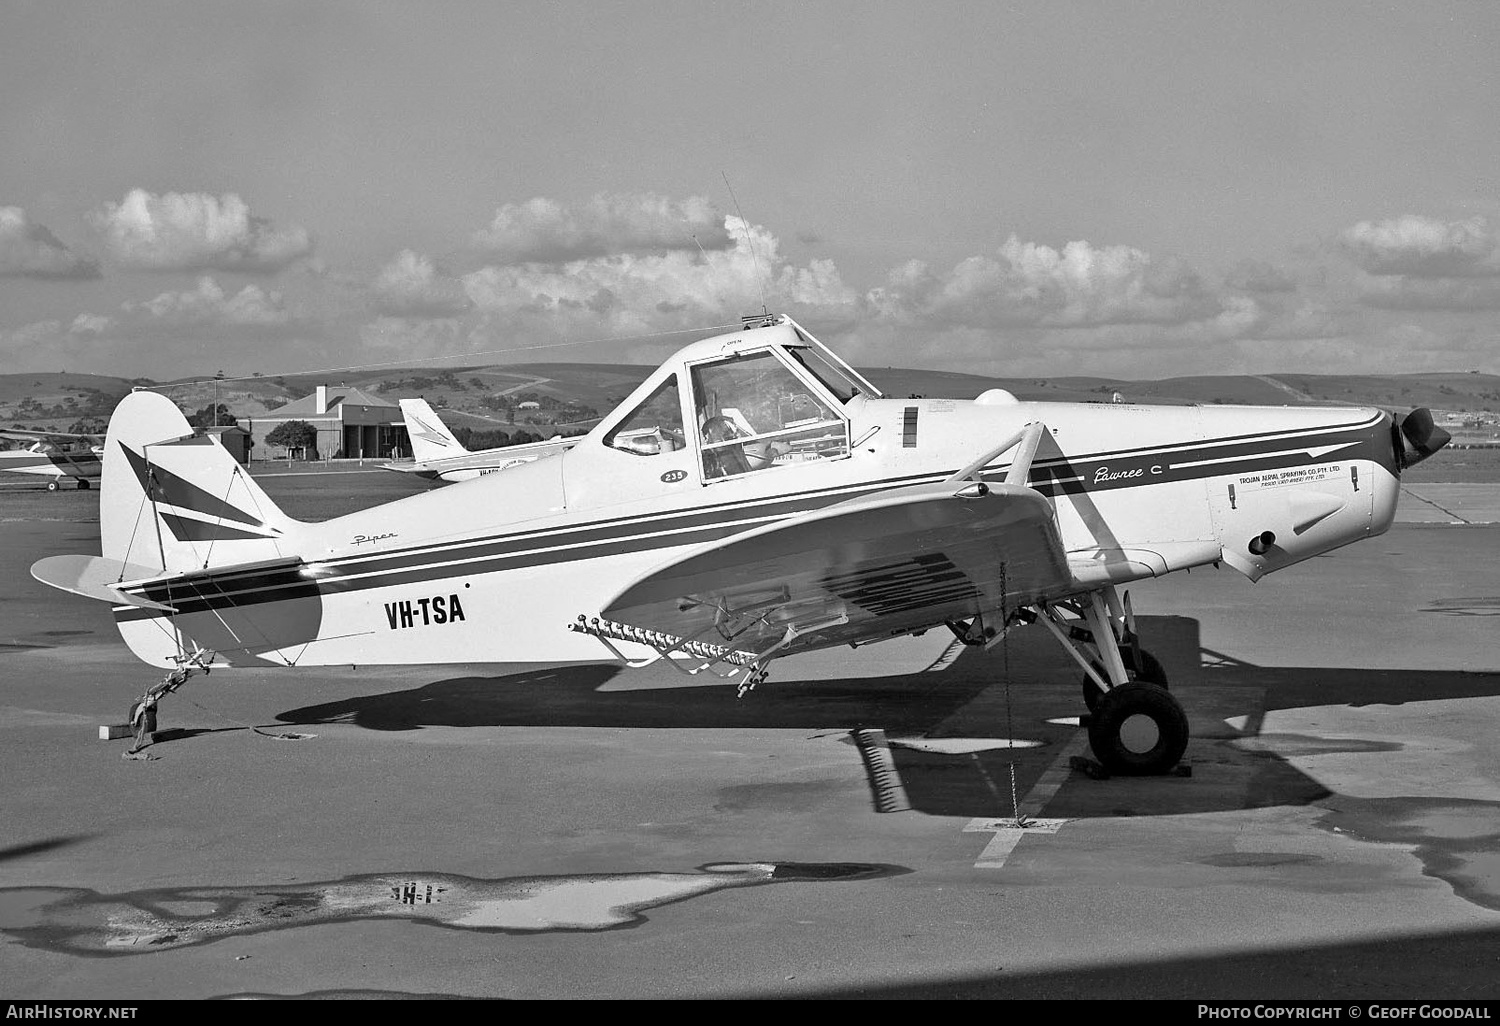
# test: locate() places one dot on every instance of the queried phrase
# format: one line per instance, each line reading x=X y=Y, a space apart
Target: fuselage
x=48 y=462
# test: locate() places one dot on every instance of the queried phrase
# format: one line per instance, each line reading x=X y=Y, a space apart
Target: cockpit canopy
x=747 y=402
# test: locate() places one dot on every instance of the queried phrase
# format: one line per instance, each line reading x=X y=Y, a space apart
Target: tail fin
x=173 y=501
x=430 y=437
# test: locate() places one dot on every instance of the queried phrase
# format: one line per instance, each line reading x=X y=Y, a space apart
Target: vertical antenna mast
x=745 y=226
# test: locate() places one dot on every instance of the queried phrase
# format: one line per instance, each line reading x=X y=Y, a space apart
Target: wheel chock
x=1088 y=767
x=115 y=731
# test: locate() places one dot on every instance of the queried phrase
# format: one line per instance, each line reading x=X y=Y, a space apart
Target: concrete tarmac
x=900 y=820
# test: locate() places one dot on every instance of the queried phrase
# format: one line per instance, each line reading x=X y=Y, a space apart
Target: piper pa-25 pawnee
x=755 y=497
x=438 y=455
x=49 y=455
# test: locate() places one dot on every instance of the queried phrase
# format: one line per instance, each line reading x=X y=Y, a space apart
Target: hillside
x=576 y=395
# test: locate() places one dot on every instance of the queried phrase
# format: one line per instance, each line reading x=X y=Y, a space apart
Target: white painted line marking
x=1007 y=833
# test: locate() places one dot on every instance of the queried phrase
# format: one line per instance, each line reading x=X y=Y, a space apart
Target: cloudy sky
x=1043 y=187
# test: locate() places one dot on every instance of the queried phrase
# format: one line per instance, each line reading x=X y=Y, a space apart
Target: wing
x=44 y=436
x=870 y=568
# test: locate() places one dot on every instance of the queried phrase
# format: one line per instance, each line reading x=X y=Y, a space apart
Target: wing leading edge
x=874 y=567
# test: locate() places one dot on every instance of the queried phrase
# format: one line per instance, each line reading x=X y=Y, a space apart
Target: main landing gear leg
x=1136 y=727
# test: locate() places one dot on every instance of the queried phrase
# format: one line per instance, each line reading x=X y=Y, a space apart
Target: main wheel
x=1138 y=729
x=83 y=485
x=1149 y=671
x=52 y=485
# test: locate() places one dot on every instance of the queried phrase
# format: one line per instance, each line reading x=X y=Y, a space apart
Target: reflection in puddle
x=85 y=922
x=1456 y=839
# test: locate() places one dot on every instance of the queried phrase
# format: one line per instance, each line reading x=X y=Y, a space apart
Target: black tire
x=52 y=486
x=83 y=485
x=1150 y=672
x=1138 y=730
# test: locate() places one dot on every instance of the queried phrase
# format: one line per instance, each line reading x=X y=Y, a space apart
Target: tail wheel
x=1138 y=729
x=1149 y=672
x=147 y=718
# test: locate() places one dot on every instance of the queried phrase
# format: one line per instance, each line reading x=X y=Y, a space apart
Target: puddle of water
x=1455 y=840
x=86 y=923
x=1480 y=871
x=1457 y=823
x=1259 y=858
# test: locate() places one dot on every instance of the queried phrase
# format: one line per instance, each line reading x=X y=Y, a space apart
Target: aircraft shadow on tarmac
x=1028 y=690
x=21 y=851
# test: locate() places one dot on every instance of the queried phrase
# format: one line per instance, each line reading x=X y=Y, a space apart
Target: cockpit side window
x=754 y=413
x=653 y=427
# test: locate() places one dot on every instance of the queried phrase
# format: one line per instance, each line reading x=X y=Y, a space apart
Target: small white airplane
x=438 y=456
x=754 y=497
x=49 y=455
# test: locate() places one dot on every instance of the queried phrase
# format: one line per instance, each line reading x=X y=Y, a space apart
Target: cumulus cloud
x=643 y=292
x=170 y=335
x=195 y=231
x=29 y=250
x=1259 y=276
x=546 y=231
x=416 y=339
x=411 y=286
x=53 y=346
x=91 y=324
x=1027 y=285
x=1425 y=247
x=208 y=304
x=1432 y=294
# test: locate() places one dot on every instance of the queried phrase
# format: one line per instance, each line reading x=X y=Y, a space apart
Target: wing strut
x=1027 y=439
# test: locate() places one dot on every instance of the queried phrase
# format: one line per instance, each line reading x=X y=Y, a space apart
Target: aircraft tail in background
x=430 y=437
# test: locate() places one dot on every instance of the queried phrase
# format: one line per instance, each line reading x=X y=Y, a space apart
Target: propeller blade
x=1418 y=437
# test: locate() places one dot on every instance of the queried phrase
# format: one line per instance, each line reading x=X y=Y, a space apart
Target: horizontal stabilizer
x=94 y=577
x=155 y=578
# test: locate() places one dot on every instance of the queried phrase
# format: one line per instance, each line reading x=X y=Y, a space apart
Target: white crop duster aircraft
x=754 y=497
